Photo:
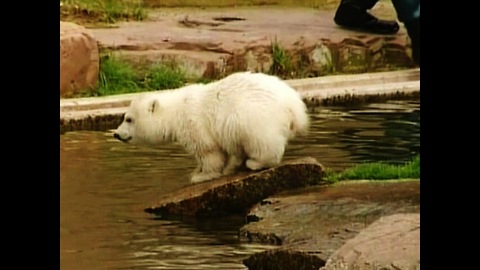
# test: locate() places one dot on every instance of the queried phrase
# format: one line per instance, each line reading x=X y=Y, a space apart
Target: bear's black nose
x=116 y=136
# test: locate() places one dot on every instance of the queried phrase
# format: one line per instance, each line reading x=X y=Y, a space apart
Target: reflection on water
x=341 y=137
x=105 y=185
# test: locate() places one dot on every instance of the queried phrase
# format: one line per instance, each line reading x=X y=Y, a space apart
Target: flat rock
x=235 y=194
x=312 y=223
x=390 y=243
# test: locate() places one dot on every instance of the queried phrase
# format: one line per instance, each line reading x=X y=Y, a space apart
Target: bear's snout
x=118 y=137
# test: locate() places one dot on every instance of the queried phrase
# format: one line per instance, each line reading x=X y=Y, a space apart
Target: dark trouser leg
x=413 y=29
x=353 y=14
x=363 y=4
x=408 y=12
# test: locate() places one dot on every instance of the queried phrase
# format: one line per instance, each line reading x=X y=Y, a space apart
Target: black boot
x=353 y=14
x=413 y=30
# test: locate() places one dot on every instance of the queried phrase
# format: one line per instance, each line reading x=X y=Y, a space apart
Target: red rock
x=79 y=60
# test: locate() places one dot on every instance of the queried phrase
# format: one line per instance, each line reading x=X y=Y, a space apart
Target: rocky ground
x=314 y=224
x=213 y=42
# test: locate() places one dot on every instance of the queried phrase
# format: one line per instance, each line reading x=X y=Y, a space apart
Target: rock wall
x=358 y=54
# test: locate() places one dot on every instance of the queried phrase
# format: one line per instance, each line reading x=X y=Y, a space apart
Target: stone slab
x=235 y=194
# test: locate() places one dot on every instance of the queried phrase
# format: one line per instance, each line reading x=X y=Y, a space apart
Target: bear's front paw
x=201 y=177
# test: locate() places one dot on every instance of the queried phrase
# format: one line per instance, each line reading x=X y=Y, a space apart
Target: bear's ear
x=154 y=106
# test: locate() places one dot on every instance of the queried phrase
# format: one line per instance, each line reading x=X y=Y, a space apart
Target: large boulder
x=392 y=242
x=79 y=60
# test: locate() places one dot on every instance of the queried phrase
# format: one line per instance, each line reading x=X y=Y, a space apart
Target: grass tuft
x=281 y=61
x=116 y=77
x=292 y=64
x=164 y=76
x=377 y=171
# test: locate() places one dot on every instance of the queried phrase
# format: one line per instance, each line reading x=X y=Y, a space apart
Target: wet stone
x=284 y=259
x=235 y=194
x=317 y=221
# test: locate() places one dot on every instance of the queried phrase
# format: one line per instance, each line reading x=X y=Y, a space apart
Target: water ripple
x=106 y=184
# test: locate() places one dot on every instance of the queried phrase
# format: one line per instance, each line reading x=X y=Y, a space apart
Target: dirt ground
x=223 y=30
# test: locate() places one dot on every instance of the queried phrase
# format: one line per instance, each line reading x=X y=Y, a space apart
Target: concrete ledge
x=102 y=113
x=353 y=80
x=92 y=103
x=363 y=93
x=98 y=119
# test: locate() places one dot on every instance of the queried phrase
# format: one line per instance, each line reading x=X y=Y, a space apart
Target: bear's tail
x=300 y=122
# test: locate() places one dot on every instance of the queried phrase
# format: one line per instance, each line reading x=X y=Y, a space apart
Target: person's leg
x=413 y=29
x=353 y=14
x=363 y=4
x=408 y=12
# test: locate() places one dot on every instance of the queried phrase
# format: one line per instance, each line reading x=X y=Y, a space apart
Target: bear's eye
x=128 y=120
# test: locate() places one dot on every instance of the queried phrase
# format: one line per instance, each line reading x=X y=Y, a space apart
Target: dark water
x=105 y=185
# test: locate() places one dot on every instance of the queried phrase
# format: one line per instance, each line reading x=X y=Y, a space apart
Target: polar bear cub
x=243 y=119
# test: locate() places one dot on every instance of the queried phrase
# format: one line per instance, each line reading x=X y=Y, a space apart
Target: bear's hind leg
x=265 y=153
x=211 y=166
x=234 y=161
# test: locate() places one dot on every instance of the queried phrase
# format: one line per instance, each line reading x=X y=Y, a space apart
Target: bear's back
x=245 y=101
x=253 y=87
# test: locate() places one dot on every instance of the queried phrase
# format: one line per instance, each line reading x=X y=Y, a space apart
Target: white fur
x=245 y=117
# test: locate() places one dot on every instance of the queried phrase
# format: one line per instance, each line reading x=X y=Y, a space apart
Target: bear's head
x=141 y=123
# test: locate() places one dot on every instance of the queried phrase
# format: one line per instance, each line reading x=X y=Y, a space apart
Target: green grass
x=164 y=76
x=293 y=64
x=106 y=11
x=281 y=61
x=378 y=171
x=118 y=76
